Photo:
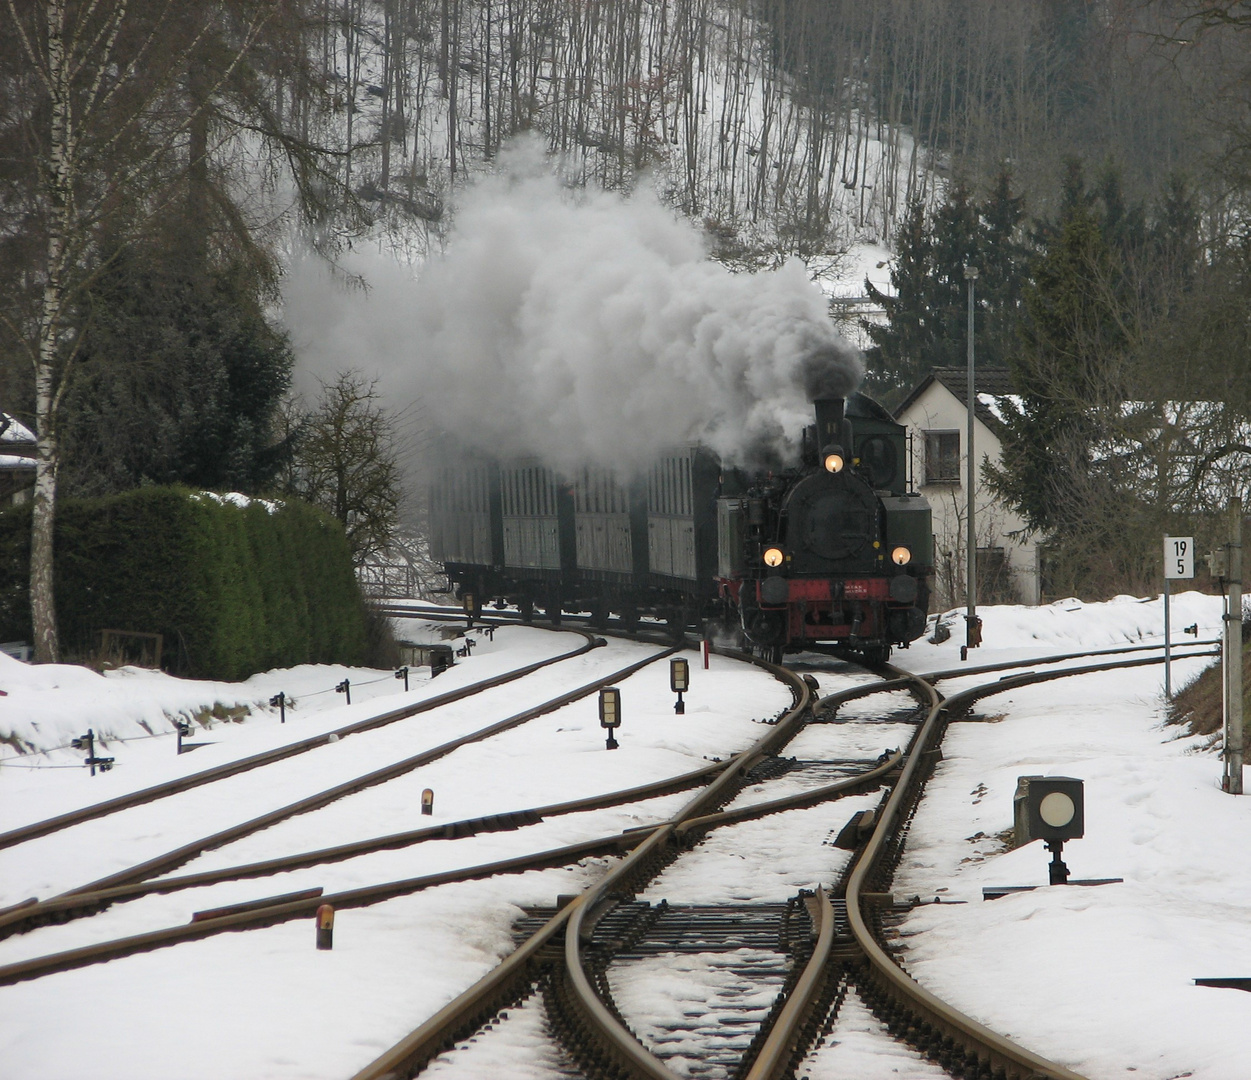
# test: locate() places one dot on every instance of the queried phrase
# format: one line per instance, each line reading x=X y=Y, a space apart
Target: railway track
x=820 y=946
x=136 y=881
x=817 y=942
x=94 y=811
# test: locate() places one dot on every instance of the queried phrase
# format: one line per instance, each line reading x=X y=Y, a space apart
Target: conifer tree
x=1072 y=338
x=926 y=311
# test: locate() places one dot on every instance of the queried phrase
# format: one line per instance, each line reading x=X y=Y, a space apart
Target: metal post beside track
x=1232 y=780
x=972 y=625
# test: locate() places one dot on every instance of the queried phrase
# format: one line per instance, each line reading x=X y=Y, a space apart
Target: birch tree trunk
x=47 y=385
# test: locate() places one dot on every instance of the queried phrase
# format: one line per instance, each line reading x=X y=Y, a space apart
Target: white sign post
x=1179 y=564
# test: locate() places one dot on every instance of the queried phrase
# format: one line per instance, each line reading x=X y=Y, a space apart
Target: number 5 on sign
x=1179 y=557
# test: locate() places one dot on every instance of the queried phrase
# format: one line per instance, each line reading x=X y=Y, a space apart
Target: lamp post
x=972 y=624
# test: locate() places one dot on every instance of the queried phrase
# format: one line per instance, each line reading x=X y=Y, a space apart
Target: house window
x=942 y=457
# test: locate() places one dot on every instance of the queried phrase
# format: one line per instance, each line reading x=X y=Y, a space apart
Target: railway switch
x=1051 y=809
x=856 y=831
x=679 y=682
x=325 y=926
x=610 y=713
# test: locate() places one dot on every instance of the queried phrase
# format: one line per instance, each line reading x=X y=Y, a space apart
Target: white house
x=936 y=416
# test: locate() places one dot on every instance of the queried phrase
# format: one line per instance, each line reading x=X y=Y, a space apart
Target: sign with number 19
x=1179 y=557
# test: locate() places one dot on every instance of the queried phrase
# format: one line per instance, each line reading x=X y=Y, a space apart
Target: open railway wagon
x=831 y=552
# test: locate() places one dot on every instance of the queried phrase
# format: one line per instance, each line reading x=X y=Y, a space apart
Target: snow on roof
x=994 y=403
x=13 y=431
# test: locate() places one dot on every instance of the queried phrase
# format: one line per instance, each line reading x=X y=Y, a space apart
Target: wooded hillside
x=160 y=163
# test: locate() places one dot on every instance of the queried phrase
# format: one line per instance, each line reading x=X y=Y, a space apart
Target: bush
x=233 y=589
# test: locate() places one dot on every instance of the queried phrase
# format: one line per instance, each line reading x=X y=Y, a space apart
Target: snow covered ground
x=1100 y=979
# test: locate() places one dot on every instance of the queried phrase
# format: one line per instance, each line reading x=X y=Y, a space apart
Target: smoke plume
x=584 y=327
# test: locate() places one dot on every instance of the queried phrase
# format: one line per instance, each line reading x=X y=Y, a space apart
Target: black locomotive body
x=833 y=552
x=836 y=553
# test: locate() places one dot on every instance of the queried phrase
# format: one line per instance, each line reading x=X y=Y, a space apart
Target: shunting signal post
x=1179 y=565
x=679 y=682
x=610 y=714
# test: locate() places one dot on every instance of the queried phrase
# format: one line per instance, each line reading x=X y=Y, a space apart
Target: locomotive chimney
x=829 y=421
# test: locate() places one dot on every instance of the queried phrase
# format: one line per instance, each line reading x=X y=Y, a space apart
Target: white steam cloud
x=587 y=328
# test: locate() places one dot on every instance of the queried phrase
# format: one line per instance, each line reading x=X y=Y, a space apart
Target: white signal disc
x=1056 y=809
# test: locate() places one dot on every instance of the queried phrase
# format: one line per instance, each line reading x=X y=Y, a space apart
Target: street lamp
x=972 y=624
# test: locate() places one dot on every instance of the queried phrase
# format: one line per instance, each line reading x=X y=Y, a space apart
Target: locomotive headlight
x=901 y=556
x=773 y=556
x=832 y=459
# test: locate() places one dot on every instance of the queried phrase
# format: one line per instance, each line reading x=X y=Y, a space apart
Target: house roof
x=988 y=383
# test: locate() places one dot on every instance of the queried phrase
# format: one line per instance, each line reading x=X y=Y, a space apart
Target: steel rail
x=179 y=856
x=502 y=984
x=847 y=786
x=87 y=955
x=1031 y=678
x=476 y=1003
x=651 y=838
x=185 y=783
x=611 y=1033
x=782 y=1042
x=977 y=1039
x=31 y=913
x=1058 y=658
x=271 y=913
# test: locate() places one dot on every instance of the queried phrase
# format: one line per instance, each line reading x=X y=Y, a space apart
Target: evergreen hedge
x=233 y=589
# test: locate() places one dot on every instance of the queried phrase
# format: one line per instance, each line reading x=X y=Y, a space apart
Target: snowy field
x=1099 y=979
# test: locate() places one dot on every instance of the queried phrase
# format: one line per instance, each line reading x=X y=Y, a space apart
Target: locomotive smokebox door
x=774 y=590
x=1048 y=808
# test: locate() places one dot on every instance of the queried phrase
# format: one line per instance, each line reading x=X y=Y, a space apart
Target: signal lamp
x=901 y=556
x=610 y=713
x=773 y=556
x=832 y=459
x=679 y=682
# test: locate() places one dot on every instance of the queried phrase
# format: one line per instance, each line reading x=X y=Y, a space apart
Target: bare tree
x=347 y=463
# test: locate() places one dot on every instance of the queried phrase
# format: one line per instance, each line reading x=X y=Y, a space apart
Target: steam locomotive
x=832 y=553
